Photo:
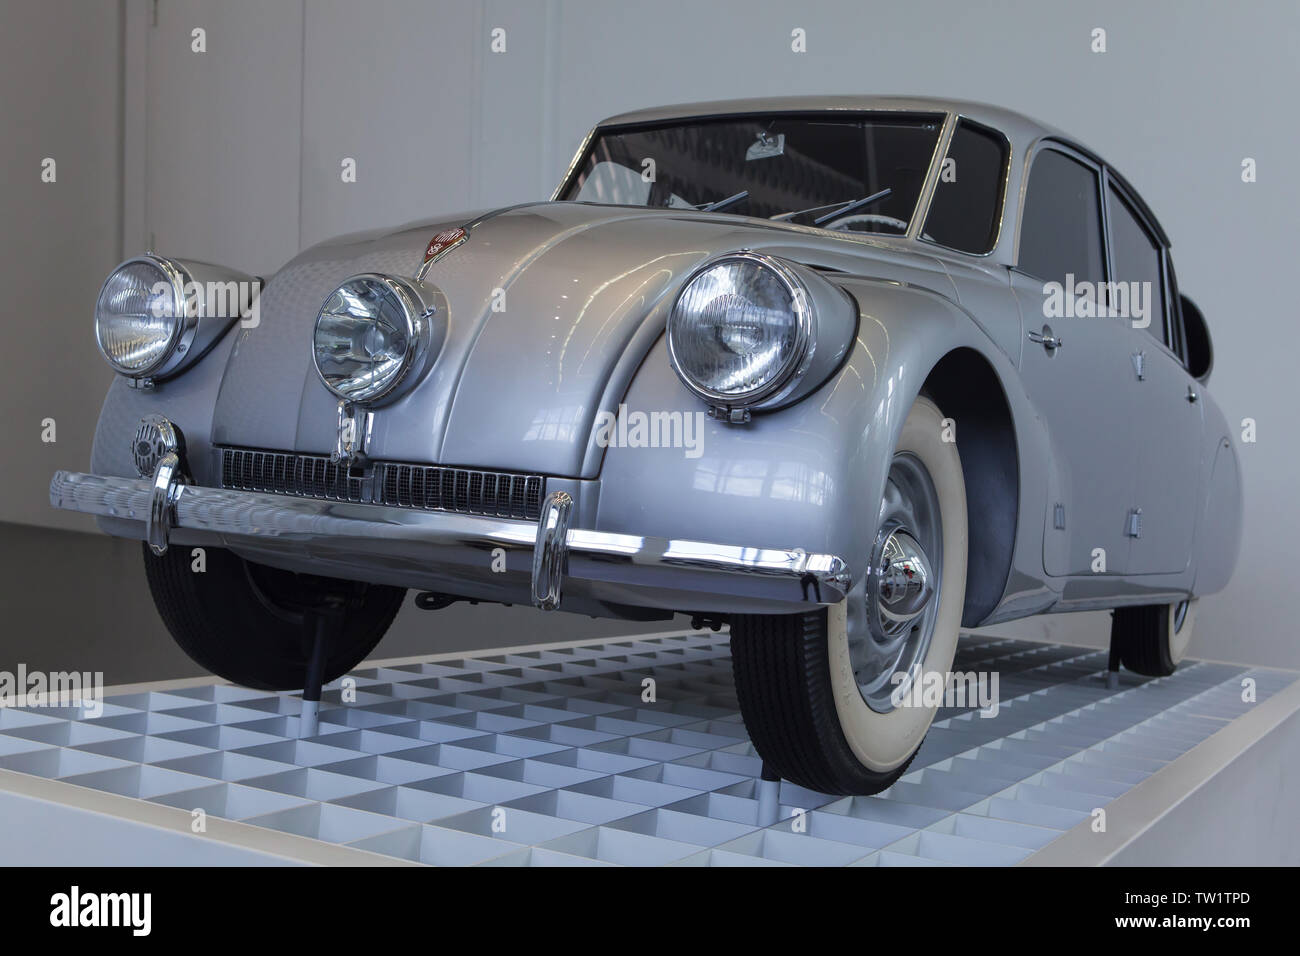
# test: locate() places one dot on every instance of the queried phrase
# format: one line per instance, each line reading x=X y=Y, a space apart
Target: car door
x=1167 y=413
x=1074 y=365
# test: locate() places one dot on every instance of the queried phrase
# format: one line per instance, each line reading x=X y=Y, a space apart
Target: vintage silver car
x=847 y=374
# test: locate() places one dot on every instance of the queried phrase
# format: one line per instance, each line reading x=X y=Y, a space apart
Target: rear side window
x=1060 y=233
x=967 y=204
x=1136 y=257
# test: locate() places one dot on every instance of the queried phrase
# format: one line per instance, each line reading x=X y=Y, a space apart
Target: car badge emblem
x=439 y=246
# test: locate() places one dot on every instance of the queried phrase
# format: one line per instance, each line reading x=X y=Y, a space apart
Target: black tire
x=242 y=621
x=783 y=683
x=1150 y=639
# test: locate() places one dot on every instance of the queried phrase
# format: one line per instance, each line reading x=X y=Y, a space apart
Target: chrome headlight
x=156 y=316
x=371 y=333
x=141 y=315
x=741 y=330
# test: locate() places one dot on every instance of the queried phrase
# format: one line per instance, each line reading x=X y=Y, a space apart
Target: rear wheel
x=249 y=623
x=826 y=695
x=1151 y=640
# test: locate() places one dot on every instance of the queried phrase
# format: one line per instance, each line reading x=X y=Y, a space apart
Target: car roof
x=1018 y=128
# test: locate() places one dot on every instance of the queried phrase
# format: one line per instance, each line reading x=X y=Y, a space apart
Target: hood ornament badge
x=439 y=246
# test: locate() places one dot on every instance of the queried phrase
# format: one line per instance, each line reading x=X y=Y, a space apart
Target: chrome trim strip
x=777 y=579
x=574 y=163
x=501 y=211
x=921 y=211
x=551 y=552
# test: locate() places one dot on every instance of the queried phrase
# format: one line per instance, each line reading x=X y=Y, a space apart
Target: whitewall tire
x=819 y=691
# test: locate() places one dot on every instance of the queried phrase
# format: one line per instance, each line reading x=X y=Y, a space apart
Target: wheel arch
x=967 y=389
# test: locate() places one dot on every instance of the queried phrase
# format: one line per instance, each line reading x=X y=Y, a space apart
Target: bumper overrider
x=163 y=508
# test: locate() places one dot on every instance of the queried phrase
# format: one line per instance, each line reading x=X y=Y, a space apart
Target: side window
x=614 y=183
x=1137 y=282
x=1060 y=232
x=967 y=203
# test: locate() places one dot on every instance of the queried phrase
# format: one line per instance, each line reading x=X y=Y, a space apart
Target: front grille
x=428 y=487
x=287 y=473
x=462 y=490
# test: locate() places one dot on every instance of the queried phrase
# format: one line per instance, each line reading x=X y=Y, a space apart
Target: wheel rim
x=1180 y=615
x=287 y=594
x=903 y=582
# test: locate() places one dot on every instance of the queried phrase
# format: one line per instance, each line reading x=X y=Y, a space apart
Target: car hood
x=551 y=308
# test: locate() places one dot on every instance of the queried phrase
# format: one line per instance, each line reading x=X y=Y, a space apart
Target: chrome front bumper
x=656 y=572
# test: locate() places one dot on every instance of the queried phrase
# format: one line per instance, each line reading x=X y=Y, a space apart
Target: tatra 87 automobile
x=845 y=374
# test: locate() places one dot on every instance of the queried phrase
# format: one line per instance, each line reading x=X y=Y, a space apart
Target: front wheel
x=827 y=696
x=245 y=621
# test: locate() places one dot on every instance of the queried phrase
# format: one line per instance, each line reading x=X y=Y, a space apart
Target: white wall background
x=233 y=155
x=60 y=99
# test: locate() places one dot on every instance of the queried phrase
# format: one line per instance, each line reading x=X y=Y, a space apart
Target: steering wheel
x=844 y=223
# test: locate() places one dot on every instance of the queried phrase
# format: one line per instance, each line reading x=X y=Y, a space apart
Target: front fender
x=188 y=400
x=810 y=475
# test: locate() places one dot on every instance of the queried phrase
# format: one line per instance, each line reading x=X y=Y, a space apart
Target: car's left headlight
x=746 y=329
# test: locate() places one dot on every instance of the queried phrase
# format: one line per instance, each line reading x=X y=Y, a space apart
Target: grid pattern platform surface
x=553 y=757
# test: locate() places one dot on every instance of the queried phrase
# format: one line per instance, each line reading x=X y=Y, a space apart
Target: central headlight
x=740 y=330
x=372 y=331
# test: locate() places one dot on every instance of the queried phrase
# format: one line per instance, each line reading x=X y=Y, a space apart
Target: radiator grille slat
x=398 y=484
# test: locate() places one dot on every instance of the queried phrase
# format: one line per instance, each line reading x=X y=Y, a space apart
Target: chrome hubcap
x=903 y=583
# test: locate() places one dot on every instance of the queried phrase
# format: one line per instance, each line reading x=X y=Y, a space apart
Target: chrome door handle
x=1046 y=339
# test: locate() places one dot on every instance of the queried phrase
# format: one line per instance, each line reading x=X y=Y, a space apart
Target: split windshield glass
x=792 y=167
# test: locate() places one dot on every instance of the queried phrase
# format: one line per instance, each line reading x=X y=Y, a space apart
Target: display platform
x=552 y=756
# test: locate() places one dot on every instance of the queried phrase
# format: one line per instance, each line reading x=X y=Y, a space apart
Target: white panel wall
x=224 y=131
x=245 y=142
x=392 y=86
x=60 y=98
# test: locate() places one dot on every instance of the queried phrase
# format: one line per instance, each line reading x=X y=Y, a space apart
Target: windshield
x=857 y=172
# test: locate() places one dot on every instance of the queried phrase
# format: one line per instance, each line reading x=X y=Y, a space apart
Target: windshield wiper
x=836 y=208
x=723 y=203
